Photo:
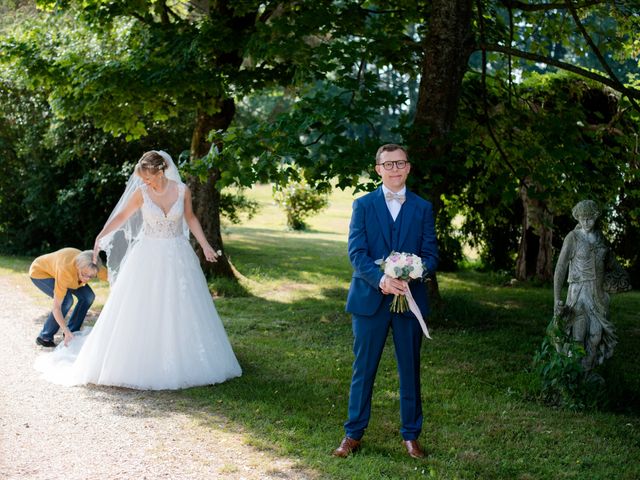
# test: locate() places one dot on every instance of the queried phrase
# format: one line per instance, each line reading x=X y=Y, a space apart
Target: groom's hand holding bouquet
x=400 y=269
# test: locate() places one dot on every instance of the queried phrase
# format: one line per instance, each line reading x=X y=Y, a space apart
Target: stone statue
x=592 y=272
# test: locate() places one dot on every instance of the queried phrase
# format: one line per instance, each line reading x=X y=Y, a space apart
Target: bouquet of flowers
x=405 y=266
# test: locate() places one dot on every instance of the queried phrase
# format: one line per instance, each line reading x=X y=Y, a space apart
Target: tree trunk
x=206 y=197
x=535 y=254
x=447 y=47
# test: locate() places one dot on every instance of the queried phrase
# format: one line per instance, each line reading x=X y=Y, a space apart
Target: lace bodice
x=158 y=225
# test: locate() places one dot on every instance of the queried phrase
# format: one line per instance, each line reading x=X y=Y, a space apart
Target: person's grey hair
x=585 y=209
x=390 y=147
x=85 y=260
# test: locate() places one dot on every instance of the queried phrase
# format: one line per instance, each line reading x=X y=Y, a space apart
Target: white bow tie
x=395 y=196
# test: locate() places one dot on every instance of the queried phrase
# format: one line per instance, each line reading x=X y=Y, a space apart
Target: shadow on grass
x=265 y=253
x=477 y=302
x=269 y=232
x=296 y=359
x=294 y=390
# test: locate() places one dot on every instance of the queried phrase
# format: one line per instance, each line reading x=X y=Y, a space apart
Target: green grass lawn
x=293 y=340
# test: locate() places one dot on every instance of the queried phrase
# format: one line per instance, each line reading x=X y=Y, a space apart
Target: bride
x=159 y=328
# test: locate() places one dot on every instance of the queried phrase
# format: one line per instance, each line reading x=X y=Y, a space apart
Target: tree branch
x=139 y=17
x=164 y=14
x=361 y=69
x=485 y=100
x=511 y=35
x=203 y=9
x=377 y=12
x=539 y=7
x=583 y=72
x=315 y=141
x=175 y=16
x=271 y=13
x=596 y=51
x=352 y=94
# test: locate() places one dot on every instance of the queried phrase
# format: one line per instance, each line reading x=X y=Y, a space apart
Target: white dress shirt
x=394 y=209
x=394 y=205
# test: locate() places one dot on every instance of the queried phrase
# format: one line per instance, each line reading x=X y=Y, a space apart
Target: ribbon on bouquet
x=413 y=306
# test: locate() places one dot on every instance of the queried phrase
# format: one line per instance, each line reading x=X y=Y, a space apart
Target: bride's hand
x=210 y=254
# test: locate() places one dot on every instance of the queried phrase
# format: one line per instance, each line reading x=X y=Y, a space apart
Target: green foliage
x=558 y=364
x=552 y=33
x=300 y=200
x=59 y=179
x=330 y=130
x=237 y=204
x=129 y=64
x=323 y=84
x=558 y=135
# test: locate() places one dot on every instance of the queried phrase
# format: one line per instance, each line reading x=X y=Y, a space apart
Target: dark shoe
x=347 y=447
x=45 y=343
x=413 y=449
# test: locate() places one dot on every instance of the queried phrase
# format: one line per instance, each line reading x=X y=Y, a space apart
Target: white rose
x=389 y=270
x=417 y=271
x=393 y=261
x=417 y=267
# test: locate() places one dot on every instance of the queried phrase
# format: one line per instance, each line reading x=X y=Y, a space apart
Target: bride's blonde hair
x=151 y=162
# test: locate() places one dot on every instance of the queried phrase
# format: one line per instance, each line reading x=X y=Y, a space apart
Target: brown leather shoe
x=413 y=449
x=347 y=446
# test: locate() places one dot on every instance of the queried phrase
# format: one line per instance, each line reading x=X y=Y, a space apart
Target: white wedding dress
x=159 y=328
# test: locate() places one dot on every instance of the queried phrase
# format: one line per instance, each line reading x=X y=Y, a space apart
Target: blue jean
x=85 y=298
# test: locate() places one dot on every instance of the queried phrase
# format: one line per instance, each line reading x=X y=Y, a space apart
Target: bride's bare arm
x=135 y=202
x=195 y=227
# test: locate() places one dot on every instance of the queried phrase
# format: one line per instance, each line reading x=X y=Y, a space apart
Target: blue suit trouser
x=85 y=298
x=370 y=334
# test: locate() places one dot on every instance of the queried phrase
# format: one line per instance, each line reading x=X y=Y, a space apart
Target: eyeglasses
x=399 y=164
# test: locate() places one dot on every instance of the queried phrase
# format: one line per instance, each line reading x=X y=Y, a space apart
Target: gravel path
x=53 y=432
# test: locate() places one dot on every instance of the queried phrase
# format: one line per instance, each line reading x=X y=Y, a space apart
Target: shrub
x=563 y=380
x=300 y=200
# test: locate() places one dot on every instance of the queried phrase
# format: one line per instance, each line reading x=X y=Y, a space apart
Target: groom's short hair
x=390 y=147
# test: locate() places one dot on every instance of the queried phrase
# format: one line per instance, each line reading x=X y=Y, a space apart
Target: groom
x=385 y=220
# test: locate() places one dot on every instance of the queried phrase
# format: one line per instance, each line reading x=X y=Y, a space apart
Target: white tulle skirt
x=158 y=330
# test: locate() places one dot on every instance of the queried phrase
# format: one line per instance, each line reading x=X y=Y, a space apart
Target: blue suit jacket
x=370 y=240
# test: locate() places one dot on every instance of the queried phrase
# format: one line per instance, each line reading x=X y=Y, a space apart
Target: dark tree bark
x=447 y=48
x=535 y=254
x=206 y=197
